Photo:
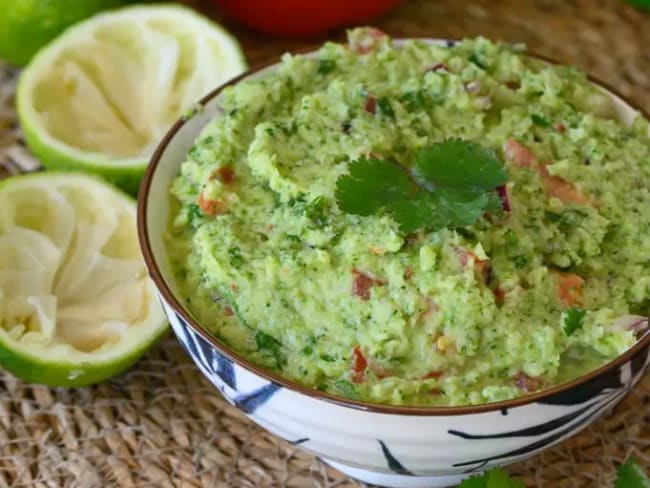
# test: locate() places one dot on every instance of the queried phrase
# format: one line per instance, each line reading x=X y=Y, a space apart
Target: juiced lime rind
x=34 y=363
x=59 y=373
x=53 y=153
x=57 y=156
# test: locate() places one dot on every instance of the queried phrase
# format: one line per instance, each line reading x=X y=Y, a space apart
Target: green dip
x=528 y=297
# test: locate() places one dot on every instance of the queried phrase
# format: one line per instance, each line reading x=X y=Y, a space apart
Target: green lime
x=100 y=96
x=27 y=25
x=76 y=304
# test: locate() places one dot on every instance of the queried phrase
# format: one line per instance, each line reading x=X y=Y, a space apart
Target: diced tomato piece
x=563 y=190
x=439 y=67
x=369 y=40
x=555 y=186
x=513 y=85
x=482 y=267
x=379 y=371
x=464 y=256
x=228 y=311
x=502 y=191
x=433 y=375
x=499 y=295
x=569 y=288
x=370 y=104
x=436 y=391
x=408 y=273
x=361 y=284
x=559 y=127
x=432 y=307
x=518 y=154
x=359 y=365
x=527 y=383
x=211 y=207
x=226 y=174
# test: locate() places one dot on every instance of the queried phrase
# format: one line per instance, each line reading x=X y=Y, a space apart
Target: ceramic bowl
x=385 y=445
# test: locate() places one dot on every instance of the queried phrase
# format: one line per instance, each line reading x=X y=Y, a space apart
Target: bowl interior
x=154 y=205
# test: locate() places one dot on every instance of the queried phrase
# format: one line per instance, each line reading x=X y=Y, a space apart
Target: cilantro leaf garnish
x=573 y=320
x=450 y=184
x=630 y=475
x=458 y=164
x=371 y=185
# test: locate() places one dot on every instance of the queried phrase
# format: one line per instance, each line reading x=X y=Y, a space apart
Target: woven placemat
x=162 y=425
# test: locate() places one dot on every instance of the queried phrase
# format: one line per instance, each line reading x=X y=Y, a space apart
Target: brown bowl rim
x=277 y=379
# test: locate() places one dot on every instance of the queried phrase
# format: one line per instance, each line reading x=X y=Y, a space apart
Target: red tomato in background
x=303 y=18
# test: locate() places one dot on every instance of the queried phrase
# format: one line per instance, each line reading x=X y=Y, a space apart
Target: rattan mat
x=162 y=425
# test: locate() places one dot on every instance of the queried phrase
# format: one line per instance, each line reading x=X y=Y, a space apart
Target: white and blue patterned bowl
x=386 y=445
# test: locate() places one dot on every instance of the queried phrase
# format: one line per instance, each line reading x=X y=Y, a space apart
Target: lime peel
x=102 y=94
x=76 y=305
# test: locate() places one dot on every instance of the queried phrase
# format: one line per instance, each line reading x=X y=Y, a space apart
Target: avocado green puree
x=540 y=291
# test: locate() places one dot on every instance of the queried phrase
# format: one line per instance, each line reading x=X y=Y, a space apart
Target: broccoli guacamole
x=544 y=279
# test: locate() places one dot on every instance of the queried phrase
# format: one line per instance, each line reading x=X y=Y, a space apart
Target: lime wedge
x=76 y=304
x=103 y=93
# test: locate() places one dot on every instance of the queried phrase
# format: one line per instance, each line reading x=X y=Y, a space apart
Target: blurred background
x=610 y=39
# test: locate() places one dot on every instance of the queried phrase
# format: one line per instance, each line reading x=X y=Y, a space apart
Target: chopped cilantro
x=477 y=61
x=235 y=256
x=345 y=388
x=385 y=107
x=553 y=216
x=630 y=475
x=328 y=358
x=315 y=210
x=512 y=241
x=573 y=320
x=413 y=100
x=520 y=260
x=269 y=344
x=450 y=185
x=326 y=66
x=194 y=212
x=540 y=120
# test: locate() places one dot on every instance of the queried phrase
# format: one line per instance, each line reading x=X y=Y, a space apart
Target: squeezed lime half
x=76 y=303
x=102 y=94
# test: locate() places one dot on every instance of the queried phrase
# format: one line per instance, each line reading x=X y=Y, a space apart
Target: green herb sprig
x=630 y=475
x=450 y=184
